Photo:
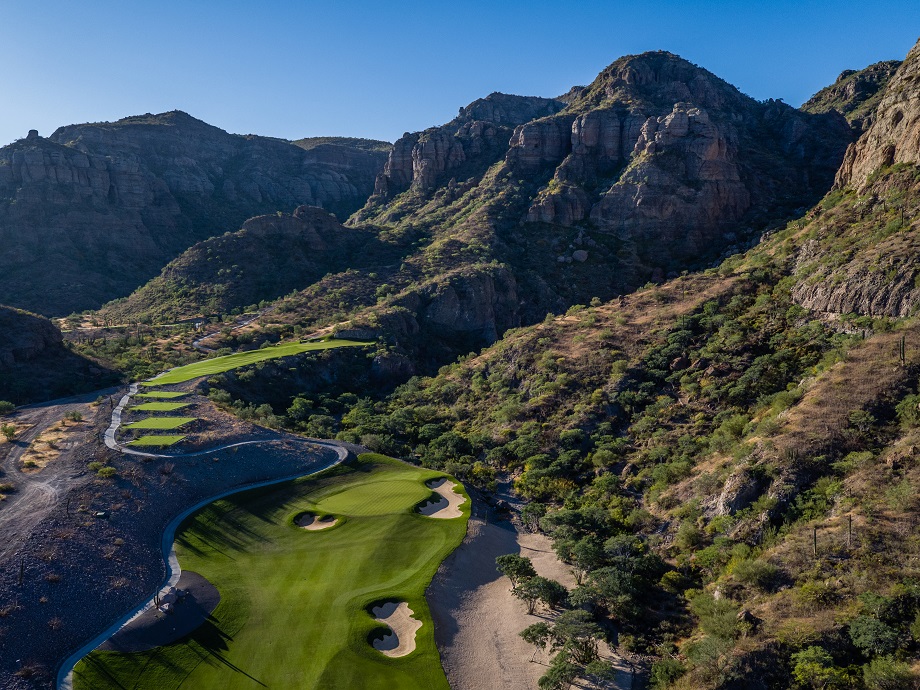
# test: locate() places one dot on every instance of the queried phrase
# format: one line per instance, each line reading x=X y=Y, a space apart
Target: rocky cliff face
x=464 y=147
x=894 y=136
x=91 y=212
x=855 y=94
x=663 y=154
x=861 y=255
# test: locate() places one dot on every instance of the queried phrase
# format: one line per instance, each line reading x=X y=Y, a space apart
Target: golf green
x=163 y=423
x=156 y=441
x=159 y=407
x=294 y=603
x=218 y=365
x=163 y=395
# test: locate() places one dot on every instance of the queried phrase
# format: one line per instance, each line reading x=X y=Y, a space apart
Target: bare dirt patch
x=398 y=616
x=50 y=443
x=477 y=620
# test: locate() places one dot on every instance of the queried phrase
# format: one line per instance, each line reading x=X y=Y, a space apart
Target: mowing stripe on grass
x=218 y=365
x=162 y=394
x=159 y=407
x=161 y=441
x=163 y=423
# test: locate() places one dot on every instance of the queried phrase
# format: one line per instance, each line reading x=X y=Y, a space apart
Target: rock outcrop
x=663 y=154
x=473 y=306
x=894 y=136
x=464 y=147
x=855 y=94
x=93 y=211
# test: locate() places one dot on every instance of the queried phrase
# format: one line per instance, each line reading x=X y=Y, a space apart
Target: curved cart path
x=173 y=569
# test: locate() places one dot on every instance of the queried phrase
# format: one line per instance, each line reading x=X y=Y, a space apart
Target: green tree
x=531 y=514
x=528 y=590
x=814 y=668
x=560 y=675
x=515 y=567
x=872 y=637
x=6 y=407
x=9 y=431
x=538 y=635
x=586 y=555
x=576 y=635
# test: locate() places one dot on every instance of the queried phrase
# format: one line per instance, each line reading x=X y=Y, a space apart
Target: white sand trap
x=311 y=522
x=398 y=616
x=448 y=505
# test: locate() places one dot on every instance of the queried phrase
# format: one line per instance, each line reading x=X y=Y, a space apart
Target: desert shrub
x=665 y=671
x=886 y=673
x=872 y=636
x=756 y=573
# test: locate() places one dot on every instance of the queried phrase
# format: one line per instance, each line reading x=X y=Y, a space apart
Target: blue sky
x=377 y=69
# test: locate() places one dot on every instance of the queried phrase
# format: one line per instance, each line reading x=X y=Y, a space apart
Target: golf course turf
x=162 y=441
x=159 y=407
x=162 y=395
x=218 y=365
x=162 y=423
x=295 y=604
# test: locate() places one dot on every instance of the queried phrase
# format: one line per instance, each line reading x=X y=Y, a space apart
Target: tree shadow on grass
x=212 y=643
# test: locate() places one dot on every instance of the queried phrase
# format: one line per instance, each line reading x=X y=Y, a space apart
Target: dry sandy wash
x=448 y=505
x=398 y=616
x=477 y=620
x=311 y=522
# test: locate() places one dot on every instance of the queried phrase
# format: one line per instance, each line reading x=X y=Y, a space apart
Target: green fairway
x=159 y=407
x=161 y=423
x=163 y=395
x=156 y=441
x=219 y=365
x=294 y=603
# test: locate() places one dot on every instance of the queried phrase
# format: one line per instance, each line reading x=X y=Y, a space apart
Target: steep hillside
x=855 y=94
x=860 y=257
x=93 y=211
x=34 y=364
x=269 y=257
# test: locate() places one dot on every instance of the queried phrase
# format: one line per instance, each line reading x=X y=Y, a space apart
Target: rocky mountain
x=94 y=210
x=855 y=94
x=267 y=258
x=35 y=365
x=522 y=206
x=861 y=257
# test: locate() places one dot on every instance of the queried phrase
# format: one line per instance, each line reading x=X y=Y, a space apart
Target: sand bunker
x=398 y=616
x=311 y=522
x=448 y=505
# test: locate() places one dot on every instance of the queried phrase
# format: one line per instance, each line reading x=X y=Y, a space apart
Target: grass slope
x=293 y=610
x=162 y=441
x=218 y=365
x=161 y=423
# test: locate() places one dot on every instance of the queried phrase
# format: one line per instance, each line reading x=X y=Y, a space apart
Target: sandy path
x=448 y=505
x=310 y=522
x=398 y=616
x=476 y=619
